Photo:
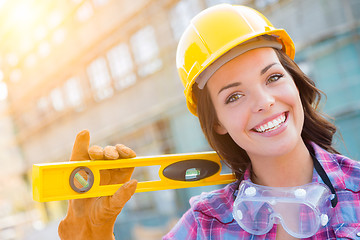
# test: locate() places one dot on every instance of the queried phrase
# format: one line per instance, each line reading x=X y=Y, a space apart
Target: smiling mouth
x=271 y=125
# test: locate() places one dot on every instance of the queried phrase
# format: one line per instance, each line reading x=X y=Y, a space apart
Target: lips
x=272 y=124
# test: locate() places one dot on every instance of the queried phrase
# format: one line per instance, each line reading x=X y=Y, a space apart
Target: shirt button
x=358 y=234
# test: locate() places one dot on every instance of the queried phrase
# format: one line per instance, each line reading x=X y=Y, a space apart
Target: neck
x=294 y=168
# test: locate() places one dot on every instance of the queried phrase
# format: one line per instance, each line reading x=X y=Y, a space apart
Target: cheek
x=234 y=121
x=290 y=94
x=291 y=97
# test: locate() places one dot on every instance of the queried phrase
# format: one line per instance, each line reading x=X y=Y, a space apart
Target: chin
x=285 y=147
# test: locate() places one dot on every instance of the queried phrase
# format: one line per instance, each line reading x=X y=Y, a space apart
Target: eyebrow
x=235 y=84
x=267 y=68
x=229 y=86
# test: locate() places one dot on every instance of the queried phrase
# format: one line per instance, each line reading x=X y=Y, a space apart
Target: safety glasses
x=301 y=210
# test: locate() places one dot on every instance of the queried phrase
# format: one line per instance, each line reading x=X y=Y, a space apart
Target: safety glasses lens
x=299 y=219
x=254 y=216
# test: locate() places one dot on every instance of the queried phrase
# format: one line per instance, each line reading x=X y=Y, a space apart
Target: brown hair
x=316 y=128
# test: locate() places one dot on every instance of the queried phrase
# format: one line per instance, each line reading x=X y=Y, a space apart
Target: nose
x=263 y=100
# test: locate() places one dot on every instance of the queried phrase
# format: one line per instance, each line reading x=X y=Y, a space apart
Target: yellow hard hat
x=217 y=30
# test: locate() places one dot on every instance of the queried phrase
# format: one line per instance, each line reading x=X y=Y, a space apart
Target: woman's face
x=258 y=104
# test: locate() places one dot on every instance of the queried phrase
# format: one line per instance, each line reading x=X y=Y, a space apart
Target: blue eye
x=233 y=98
x=274 y=78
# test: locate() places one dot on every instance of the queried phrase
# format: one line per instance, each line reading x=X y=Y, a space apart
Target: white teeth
x=271 y=125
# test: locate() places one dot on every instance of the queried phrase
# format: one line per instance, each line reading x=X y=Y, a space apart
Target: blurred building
x=109 y=66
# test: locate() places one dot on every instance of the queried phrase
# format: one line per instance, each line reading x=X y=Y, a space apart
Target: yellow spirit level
x=81 y=179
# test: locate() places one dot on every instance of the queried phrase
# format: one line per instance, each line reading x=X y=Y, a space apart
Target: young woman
x=258 y=110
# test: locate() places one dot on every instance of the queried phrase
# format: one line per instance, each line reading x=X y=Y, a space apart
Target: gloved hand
x=94 y=218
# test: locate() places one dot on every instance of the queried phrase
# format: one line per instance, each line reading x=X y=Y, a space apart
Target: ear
x=220 y=129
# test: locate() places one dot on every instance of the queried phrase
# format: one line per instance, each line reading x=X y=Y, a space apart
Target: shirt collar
x=218 y=203
x=331 y=164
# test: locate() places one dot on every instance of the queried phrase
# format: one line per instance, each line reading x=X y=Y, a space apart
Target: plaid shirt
x=210 y=216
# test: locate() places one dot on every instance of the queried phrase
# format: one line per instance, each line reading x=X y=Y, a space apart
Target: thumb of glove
x=81 y=146
x=107 y=208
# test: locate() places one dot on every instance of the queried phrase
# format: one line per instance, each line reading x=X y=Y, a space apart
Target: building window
x=12 y=59
x=58 y=36
x=121 y=66
x=57 y=99
x=100 y=79
x=181 y=14
x=15 y=75
x=30 y=60
x=99 y=3
x=73 y=93
x=85 y=12
x=43 y=108
x=44 y=49
x=146 y=51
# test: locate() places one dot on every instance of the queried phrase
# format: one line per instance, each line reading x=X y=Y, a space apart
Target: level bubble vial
x=81 y=179
x=192 y=174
